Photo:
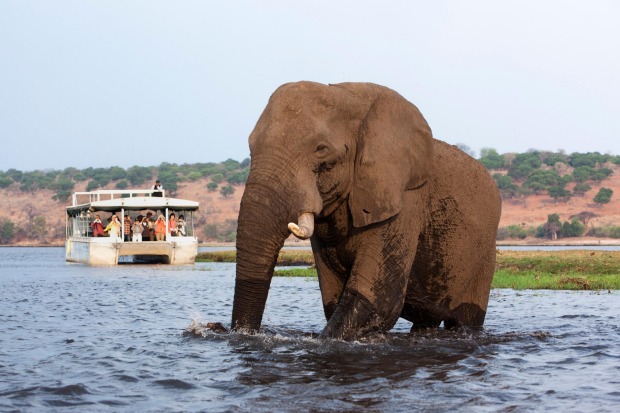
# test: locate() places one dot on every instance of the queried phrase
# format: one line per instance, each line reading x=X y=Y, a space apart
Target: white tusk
x=304 y=227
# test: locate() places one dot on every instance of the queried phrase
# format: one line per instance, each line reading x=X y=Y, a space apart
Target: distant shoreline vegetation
x=519 y=270
x=561 y=176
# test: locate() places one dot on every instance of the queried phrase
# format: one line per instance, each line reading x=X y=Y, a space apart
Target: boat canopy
x=136 y=204
x=129 y=200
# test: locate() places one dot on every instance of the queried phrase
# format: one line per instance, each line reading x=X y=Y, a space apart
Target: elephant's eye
x=321 y=151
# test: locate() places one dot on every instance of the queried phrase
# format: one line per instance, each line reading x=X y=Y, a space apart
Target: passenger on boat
x=160 y=228
x=172 y=225
x=147 y=224
x=157 y=188
x=127 y=228
x=97 y=227
x=181 y=231
x=114 y=228
x=137 y=229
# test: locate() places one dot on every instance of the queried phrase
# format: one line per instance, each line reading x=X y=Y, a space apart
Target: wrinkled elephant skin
x=401 y=224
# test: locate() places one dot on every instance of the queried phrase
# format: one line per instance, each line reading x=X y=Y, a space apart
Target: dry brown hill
x=535 y=209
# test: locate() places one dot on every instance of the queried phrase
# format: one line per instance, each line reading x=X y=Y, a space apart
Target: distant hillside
x=533 y=186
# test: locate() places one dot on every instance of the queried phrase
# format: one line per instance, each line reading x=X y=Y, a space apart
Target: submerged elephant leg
x=375 y=289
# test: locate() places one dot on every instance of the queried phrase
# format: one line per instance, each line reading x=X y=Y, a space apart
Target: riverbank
x=520 y=270
x=533 y=242
x=563 y=242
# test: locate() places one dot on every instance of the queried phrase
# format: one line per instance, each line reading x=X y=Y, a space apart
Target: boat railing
x=107 y=194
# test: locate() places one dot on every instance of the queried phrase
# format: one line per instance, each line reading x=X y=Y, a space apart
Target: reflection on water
x=113 y=338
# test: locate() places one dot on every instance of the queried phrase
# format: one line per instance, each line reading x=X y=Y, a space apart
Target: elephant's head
x=314 y=148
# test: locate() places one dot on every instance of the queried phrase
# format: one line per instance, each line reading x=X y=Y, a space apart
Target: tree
x=584 y=217
x=194 y=176
x=5 y=180
x=116 y=173
x=466 y=149
x=601 y=173
x=218 y=178
x=491 y=159
x=551 y=158
x=137 y=175
x=558 y=193
x=212 y=186
x=507 y=188
x=581 y=188
x=122 y=184
x=227 y=191
x=92 y=185
x=583 y=173
x=603 y=196
x=553 y=226
x=573 y=229
x=169 y=180
x=15 y=175
x=586 y=159
x=544 y=179
x=524 y=164
x=238 y=178
x=63 y=187
x=7 y=231
x=231 y=164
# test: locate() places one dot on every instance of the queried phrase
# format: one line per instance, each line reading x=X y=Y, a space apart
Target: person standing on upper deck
x=157 y=189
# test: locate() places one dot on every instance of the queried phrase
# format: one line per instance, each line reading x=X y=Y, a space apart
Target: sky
x=123 y=83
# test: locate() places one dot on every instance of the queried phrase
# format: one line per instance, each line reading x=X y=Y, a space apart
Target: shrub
x=218 y=178
x=603 y=196
x=138 y=175
x=605 y=232
x=5 y=181
x=7 y=231
x=227 y=191
x=573 y=229
x=491 y=159
x=194 y=176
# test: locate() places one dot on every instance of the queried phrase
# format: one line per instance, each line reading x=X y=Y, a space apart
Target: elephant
x=400 y=224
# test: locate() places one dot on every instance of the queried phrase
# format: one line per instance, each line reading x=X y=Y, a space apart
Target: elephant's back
x=464 y=180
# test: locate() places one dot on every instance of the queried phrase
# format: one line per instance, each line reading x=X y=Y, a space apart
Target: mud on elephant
x=401 y=224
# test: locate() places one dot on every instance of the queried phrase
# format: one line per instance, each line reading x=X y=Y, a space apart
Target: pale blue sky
x=104 y=83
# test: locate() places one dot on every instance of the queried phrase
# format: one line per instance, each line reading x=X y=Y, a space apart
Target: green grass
x=286 y=258
x=520 y=270
x=217 y=256
x=558 y=270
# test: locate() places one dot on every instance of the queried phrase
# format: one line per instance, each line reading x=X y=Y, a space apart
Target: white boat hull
x=104 y=251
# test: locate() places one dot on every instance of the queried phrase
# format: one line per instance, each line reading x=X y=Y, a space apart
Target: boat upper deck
x=131 y=200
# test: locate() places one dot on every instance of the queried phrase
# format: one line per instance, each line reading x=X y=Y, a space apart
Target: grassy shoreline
x=520 y=270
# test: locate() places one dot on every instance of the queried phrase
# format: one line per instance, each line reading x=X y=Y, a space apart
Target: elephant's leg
x=331 y=281
x=374 y=293
x=452 y=272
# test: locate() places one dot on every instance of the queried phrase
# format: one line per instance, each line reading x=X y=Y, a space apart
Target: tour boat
x=84 y=247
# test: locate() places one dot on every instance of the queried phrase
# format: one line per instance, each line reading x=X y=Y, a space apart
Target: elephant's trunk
x=262 y=229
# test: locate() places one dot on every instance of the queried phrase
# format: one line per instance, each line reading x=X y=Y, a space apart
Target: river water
x=80 y=338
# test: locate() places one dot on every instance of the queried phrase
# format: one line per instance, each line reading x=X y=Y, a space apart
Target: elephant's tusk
x=304 y=227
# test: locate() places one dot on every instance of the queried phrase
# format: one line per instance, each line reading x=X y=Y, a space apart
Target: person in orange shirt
x=172 y=225
x=160 y=228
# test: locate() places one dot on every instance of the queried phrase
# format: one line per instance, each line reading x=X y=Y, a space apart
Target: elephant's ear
x=394 y=154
